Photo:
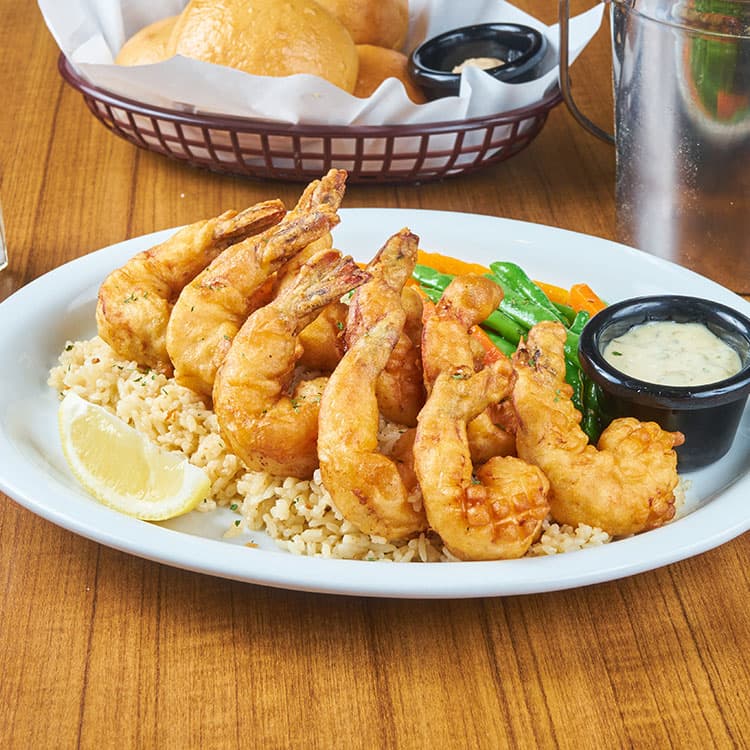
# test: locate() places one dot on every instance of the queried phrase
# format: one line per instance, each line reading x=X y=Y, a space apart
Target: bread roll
x=267 y=38
x=378 y=63
x=149 y=45
x=383 y=23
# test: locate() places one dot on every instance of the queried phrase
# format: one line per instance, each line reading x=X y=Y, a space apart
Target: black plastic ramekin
x=521 y=48
x=708 y=415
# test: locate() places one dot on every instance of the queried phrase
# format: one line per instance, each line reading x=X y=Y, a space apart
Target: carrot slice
x=491 y=352
x=446 y=264
x=554 y=293
x=583 y=297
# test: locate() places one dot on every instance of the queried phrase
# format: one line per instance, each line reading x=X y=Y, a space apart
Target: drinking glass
x=681 y=73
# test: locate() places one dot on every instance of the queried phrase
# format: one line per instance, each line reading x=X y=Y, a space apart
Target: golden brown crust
x=265 y=37
x=149 y=45
x=380 y=22
x=376 y=64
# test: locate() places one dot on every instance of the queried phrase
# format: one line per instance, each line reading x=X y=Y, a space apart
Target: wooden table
x=102 y=649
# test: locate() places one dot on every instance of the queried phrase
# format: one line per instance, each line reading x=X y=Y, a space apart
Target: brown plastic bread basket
x=299 y=153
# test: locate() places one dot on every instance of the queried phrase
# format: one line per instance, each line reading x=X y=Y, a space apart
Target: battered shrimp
x=496 y=511
x=267 y=426
x=211 y=309
x=492 y=433
x=377 y=493
x=625 y=484
x=322 y=340
x=287 y=274
x=135 y=301
x=400 y=387
x=464 y=304
x=368 y=487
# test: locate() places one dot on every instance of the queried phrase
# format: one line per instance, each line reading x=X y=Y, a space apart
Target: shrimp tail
x=390 y=268
x=281 y=243
x=311 y=219
x=395 y=261
x=233 y=227
x=325 y=278
x=327 y=192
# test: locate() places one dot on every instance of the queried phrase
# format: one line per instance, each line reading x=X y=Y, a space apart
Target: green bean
x=579 y=322
x=505 y=346
x=429 y=277
x=566 y=311
x=591 y=423
x=522 y=304
x=513 y=277
x=526 y=314
x=574 y=378
x=433 y=294
x=506 y=327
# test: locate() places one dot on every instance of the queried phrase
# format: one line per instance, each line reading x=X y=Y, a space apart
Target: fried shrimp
x=135 y=301
x=625 y=484
x=269 y=424
x=400 y=387
x=496 y=511
x=376 y=492
x=211 y=309
x=465 y=303
x=322 y=340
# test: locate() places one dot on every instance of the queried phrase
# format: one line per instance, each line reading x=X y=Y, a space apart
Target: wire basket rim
x=235 y=122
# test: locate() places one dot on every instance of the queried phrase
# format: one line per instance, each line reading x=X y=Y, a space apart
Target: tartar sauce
x=485 y=63
x=669 y=353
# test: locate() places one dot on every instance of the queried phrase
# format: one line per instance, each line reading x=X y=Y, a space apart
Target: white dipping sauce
x=669 y=353
x=484 y=63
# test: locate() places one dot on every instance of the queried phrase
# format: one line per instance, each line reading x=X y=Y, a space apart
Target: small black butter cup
x=521 y=48
x=708 y=415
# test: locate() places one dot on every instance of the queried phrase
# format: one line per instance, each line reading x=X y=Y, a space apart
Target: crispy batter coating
x=623 y=485
x=212 y=308
x=495 y=511
x=269 y=424
x=135 y=301
x=376 y=492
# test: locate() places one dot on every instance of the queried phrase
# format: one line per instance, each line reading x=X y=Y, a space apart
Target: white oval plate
x=37 y=320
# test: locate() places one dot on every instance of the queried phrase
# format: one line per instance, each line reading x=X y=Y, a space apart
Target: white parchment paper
x=91 y=32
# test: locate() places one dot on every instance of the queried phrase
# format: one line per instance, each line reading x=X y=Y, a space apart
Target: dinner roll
x=378 y=63
x=267 y=38
x=149 y=45
x=380 y=22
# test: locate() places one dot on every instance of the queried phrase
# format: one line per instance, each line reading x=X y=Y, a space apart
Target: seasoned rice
x=297 y=514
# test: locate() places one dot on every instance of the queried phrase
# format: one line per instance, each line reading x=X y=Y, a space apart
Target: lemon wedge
x=122 y=468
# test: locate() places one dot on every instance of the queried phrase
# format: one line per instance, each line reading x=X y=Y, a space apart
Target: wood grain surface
x=99 y=649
